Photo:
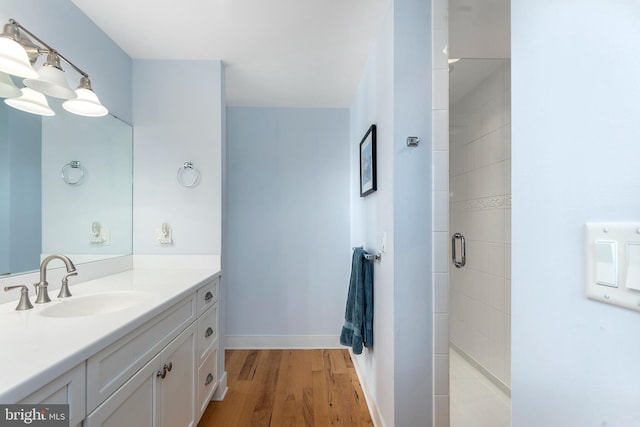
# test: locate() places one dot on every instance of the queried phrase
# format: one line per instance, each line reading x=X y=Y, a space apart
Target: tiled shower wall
x=440 y=167
x=480 y=209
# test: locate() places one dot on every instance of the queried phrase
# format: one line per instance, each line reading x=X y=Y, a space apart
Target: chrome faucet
x=41 y=287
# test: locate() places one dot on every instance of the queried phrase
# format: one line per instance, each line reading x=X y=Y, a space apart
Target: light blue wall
x=576 y=144
x=287 y=259
x=395 y=94
x=4 y=192
x=373 y=215
x=412 y=213
x=20 y=206
x=176 y=123
x=64 y=27
x=24 y=132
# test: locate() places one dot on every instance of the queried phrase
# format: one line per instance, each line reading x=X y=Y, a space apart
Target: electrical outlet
x=163 y=236
x=100 y=237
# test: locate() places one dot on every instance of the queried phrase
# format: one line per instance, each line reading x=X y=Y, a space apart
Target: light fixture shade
x=86 y=104
x=7 y=88
x=51 y=81
x=32 y=102
x=14 y=59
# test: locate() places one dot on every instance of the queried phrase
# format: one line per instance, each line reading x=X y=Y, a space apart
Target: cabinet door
x=66 y=389
x=176 y=392
x=132 y=405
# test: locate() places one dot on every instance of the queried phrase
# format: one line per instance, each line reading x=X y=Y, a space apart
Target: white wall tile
x=440 y=133
x=439 y=15
x=441 y=374
x=439 y=57
x=480 y=162
x=441 y=333
x=459 y=188
x=441 y=411
x=440 y=89
x=441 y=204
x=440 y=211
x=507 y=262
x=440 y=293
x=441 y=171
x=495 y=179
x=497 y=292
x=440 y=251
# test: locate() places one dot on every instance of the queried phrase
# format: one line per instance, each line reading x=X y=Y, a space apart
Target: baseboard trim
x=371 y=402
x=238 y=342
x=222 y=389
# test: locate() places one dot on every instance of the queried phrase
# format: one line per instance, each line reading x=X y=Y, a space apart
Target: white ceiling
x=286 y=53
x=290 y=53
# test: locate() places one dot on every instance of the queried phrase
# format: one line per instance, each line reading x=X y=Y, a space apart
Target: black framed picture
x=368 y=182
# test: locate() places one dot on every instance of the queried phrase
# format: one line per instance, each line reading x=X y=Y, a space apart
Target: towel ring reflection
x=73 y=173
x=188 y=175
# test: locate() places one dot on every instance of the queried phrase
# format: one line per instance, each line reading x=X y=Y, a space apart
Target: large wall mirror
x=65 y=187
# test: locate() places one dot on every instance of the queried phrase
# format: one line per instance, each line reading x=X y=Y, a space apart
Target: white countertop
x=35 y=350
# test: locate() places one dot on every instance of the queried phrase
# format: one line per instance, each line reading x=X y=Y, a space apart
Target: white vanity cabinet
x=161 y=374
x=146 y=370
x=68 y=388
x=147 y=396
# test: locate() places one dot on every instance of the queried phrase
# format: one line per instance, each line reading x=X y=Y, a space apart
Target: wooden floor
x=289 y=388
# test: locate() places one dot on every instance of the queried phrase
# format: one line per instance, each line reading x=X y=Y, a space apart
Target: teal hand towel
x=358 y=317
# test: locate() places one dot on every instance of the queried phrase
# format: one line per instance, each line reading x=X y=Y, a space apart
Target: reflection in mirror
x=65 y=187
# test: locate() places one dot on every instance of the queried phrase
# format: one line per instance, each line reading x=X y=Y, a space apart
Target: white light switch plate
x=611 y=276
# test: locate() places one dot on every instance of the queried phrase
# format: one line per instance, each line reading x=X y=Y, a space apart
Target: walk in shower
x=480 y=226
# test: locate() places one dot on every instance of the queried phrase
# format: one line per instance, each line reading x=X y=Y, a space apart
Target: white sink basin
x=95 y=304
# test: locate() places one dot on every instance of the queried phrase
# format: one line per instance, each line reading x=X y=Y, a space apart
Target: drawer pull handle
x=209 y=332
x=208 y=380
x=166 y=368
x=208 y=296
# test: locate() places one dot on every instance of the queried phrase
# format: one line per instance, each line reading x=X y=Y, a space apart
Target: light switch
x=633 y=266
x=606 y=263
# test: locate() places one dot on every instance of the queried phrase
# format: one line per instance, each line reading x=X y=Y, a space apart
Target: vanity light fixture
x=86 y=103
x=51 y=79
x=32 y=102
x=18 y=52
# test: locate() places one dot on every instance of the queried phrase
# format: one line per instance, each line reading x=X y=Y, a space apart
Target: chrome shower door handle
x=463 y=250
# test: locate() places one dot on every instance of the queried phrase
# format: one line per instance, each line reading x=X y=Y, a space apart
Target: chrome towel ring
x=188 y=175
x=73 y=173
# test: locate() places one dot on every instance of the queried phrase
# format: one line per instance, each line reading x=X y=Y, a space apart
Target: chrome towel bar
x=373 y=257
x=370 y=257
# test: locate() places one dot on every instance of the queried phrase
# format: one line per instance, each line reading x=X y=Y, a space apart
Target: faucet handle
x=25 y=303
x=64 y=289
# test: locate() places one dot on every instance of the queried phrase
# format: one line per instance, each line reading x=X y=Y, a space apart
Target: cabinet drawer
x=68 y=389
x=207 y=295
x=113 y=366
x=207 y=331
x=207 y=380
